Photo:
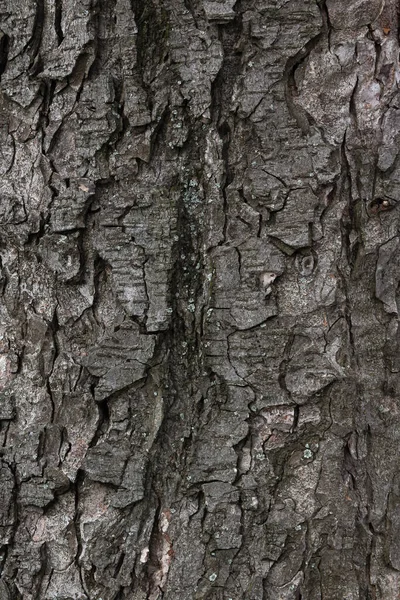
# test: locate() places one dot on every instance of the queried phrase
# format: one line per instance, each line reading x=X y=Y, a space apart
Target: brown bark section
x=199 y=361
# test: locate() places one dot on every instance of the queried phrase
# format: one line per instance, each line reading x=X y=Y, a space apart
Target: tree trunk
x=200 y=259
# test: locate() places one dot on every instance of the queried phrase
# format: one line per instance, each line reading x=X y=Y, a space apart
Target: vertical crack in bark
x=4 y=47
x=221 y=96
x=302 y=118
x=35 y=41
x=58 y=20
x=78 y=484
x=326 y=22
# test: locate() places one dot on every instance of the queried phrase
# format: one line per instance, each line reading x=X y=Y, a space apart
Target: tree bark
x=199 y=361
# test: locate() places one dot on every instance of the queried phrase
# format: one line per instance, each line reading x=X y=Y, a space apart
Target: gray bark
x=199 y=356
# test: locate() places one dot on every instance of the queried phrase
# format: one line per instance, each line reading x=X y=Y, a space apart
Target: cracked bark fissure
x=199 y=255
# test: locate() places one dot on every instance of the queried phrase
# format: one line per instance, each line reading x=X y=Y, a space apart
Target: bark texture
x=199 y=333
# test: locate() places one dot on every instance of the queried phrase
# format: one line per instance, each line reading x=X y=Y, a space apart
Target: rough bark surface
x=200 y=261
